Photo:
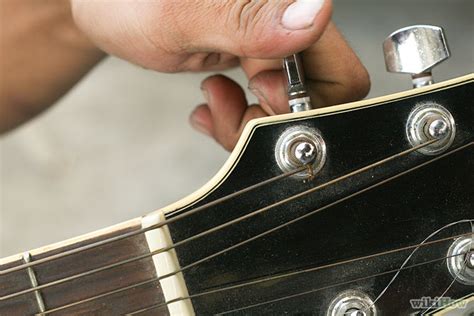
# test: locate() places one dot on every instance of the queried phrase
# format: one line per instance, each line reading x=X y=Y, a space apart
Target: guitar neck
x=50 y=298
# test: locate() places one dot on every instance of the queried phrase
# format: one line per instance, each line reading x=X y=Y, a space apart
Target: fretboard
x=74 y=296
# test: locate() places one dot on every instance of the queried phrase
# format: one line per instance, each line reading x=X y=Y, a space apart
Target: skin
x=42 y=55
x=48 y=47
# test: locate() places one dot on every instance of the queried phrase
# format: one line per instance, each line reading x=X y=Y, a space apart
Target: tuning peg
x=298 y=98
x=416 y=50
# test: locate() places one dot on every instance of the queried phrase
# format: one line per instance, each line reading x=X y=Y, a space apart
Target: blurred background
x=119 y=144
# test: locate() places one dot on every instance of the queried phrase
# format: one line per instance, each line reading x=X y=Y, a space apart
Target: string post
x=438 y=128
x=460 y=260
x=352 y=303
x=431 y=121
x=470 y=259
x=305 y=152
x=300 y=146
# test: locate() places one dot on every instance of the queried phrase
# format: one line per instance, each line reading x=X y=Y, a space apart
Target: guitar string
x=255 y=237
x=338 y=284
x=424 y=243
x=465 y=261
x=156 y=226
x=157 y=279
x=416 y=249
x=218 y=227
x=445 y=291
x=272 y=278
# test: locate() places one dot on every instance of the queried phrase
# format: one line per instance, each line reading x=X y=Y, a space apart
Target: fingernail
x=205 y=93
x=256 y=92
x=301 y=14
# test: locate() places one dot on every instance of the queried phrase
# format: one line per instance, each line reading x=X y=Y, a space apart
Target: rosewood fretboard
x=88 y=286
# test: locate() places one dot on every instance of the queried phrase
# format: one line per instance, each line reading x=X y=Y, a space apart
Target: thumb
x=260 y=29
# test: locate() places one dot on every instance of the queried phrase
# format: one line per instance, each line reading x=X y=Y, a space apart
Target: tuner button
x=416 y=50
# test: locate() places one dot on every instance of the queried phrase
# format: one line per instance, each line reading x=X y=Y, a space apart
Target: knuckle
x=250 y=21
x=360 y=83
x=355 y=85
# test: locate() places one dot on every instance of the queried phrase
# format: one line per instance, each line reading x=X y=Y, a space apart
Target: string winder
x=356 y=209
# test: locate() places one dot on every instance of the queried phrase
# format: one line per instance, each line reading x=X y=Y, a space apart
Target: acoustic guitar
x=364 y=208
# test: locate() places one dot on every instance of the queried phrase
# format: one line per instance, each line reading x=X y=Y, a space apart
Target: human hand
x=188 y=35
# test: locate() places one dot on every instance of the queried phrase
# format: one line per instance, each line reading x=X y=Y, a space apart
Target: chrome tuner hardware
x=299 y=146
x=460 y=260
x=430 y=121
x=352 y=303
x=298 y=98
x=416 y=50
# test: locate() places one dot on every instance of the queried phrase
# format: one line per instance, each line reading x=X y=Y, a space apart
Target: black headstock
x=359 y=231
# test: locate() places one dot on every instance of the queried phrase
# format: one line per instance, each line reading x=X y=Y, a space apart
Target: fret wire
x=156 y=226
x=75 y=276
x=92 y=298
x=284 y=225
x=34 y=282
x=229 y=223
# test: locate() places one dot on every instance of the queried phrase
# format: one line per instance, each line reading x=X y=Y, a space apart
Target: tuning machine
x=416 y=50
x=299 y=145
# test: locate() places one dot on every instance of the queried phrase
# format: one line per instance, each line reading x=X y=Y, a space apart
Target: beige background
x=119 y=144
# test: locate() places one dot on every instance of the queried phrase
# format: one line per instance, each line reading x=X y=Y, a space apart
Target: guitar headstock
x=361 y=209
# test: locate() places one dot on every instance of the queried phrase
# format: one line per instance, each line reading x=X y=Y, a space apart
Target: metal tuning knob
x=298 y=98
x=416 y=50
